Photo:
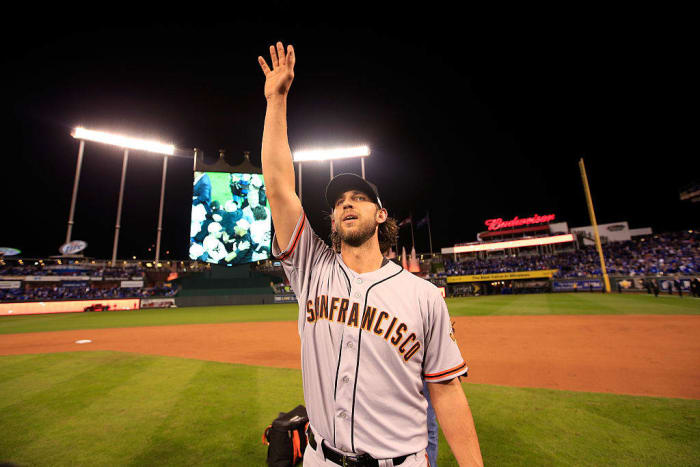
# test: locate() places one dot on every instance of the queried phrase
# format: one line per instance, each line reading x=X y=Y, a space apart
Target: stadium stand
x=54 y=280
x=663 y=257
x=661 y=254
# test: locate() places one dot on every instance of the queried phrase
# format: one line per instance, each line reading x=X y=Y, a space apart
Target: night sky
x=469 y=115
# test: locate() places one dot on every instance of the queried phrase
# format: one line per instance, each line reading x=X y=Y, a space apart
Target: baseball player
x=370 y=331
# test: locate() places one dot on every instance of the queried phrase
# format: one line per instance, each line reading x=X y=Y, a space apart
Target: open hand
x=279 y=79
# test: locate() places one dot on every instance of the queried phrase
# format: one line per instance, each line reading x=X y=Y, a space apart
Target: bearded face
x=355 y=218
x=358 y=233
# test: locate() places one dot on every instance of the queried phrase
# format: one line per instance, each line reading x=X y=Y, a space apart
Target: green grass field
x=544 y=304
x=111 y=408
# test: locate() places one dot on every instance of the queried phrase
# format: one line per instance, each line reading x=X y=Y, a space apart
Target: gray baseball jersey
x=366 y=342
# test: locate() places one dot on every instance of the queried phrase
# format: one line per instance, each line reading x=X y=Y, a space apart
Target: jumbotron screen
x=231 y=222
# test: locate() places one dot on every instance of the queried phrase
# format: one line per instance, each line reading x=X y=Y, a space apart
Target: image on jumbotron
x=231 y=222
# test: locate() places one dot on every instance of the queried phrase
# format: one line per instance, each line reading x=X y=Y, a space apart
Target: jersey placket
x=347 y=370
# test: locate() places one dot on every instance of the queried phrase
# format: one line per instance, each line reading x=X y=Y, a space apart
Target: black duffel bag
x=286 y=438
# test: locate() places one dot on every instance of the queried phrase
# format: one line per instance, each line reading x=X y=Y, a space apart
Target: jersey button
x=358 y=295
x=346 y=379
x=359 y=281
x=342 y=415
x=350 y=344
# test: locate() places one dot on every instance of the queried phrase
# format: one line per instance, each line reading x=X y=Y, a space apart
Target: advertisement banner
x=131 y=284
x=287 y=298
x=585 y=285
x=75 y=284
x=10 y=284
x=43 y=278
x=668 y=285
x=71 y=248
x=56 y=278
x=158 y=303
x=7 y=251
x=503 y=276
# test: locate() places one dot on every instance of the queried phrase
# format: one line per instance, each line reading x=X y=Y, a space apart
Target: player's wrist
x=276 y=99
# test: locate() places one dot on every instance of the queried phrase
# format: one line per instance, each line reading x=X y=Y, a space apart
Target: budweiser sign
x=496 y=224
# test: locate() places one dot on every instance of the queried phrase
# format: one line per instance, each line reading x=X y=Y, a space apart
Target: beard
x=357 y=237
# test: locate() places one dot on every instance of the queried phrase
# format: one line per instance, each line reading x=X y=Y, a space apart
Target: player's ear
x=381 y=215
x=332 y=224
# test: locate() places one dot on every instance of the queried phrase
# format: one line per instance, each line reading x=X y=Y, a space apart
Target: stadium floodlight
x=330 y=154
x=125 y=142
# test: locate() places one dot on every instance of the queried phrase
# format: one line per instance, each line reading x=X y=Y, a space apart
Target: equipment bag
x=286 y=438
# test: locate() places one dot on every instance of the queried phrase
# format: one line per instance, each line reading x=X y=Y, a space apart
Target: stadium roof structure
x=527 y=242
x=245 y=167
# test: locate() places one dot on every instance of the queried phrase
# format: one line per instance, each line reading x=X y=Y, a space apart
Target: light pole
x=160 y=209
x=75 y=190
x=330 y=155
x=125 y=142
x=117 y=226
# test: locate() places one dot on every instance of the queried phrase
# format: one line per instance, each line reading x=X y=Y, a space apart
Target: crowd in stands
x=70 y=270
x=75 y=288
x=663 y=254
x=82 y=293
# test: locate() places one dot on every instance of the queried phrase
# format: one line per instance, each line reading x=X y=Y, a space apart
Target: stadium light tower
x=126 y=143
x=330 y=154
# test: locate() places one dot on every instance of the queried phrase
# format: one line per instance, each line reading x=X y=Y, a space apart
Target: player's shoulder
x=421 y=286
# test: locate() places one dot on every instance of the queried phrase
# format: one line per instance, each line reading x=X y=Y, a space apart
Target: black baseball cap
x=346 y=182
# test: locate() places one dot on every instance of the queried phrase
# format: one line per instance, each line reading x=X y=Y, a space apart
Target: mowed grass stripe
x=501 y=305
x=582 y=303
x=113 y=407
x=41 y=419
x=147 y=410
x=48 y=370
x=540 y=426
x=223 y=412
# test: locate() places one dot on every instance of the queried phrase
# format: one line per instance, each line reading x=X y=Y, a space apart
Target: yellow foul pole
x=591 y=213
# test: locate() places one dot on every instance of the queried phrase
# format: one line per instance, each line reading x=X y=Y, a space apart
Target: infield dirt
x=646 y=355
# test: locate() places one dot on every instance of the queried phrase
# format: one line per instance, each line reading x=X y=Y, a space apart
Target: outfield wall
x=497 y=284
x=35 y=308
x=224 y=300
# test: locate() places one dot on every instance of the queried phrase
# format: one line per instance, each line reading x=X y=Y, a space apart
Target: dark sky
x=470 y=115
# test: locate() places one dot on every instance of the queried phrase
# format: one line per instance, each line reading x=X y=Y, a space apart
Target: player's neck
x=364 y=258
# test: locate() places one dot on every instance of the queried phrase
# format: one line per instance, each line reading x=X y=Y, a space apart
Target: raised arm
x=277 y=165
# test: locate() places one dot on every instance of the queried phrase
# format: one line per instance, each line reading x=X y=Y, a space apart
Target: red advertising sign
x=496 y=224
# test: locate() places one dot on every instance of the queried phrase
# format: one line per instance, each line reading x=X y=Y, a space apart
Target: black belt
x=365 y=460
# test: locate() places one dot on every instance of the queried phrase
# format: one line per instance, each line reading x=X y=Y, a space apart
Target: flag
x=423 y=221
x=407 y=220
x=413 y=264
